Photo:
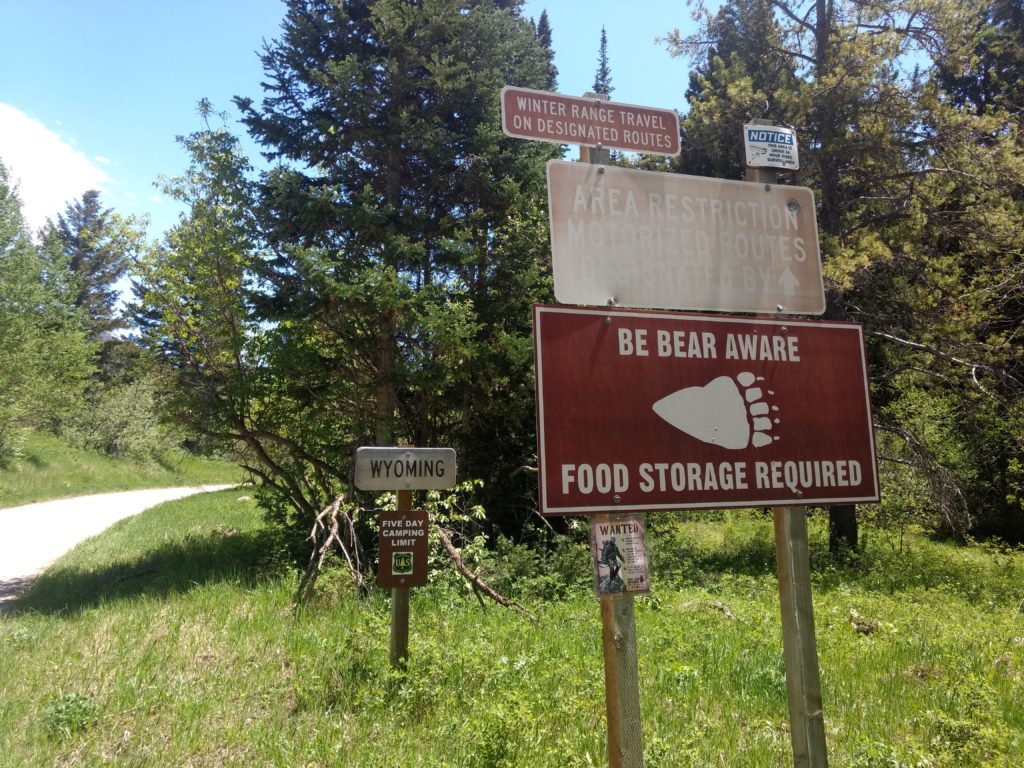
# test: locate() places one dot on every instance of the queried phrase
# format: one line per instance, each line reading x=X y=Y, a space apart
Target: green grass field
x=170 y=640
x=51 y=468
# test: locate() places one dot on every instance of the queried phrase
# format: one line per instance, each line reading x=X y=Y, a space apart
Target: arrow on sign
x=789 y=283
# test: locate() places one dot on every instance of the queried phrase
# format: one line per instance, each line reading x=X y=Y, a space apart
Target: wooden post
x=621 y=683
x=621 y=678
x=400 y=606
x=803 y=684
x=799 y=649
x=618 y=629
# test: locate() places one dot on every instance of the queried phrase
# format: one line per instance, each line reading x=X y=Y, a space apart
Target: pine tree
x=603 y=76
x=401 y=248
x=544 y=38
x=96 y=245
x=45 y=357
x=917 y=215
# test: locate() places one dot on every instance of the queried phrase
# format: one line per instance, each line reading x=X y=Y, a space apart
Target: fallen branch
x=720 y=607
x=325 y=535
x=474 y=580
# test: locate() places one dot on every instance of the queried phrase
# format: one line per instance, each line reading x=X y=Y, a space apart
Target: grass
x=170 y=640
x=51 y=468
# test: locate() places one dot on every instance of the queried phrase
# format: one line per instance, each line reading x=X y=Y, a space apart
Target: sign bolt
x=793 y=205
x=617 y=499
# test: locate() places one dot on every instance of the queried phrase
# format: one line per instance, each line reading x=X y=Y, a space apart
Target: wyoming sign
x=649 y=410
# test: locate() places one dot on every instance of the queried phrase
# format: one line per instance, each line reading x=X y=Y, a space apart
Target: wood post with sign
x=803 y=682
x=618 y=623
x=402 y=561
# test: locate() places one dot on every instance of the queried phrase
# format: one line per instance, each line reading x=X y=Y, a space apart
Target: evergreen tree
x=989 y=76
x=388 y=261
x=96 y=245
x=917 y=218
x=741 y=73
x=603 y=76
x=544 y=38
x=45 y=358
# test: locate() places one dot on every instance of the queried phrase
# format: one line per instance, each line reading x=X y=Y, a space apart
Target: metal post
x=400 y=606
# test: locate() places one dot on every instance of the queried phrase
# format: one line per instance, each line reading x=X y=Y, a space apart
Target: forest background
x=374 y=285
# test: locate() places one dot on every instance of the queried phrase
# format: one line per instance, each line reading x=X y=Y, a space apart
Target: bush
x=122 y=420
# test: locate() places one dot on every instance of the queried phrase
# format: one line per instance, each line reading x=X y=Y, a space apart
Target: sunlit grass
x=171 y=640
x=51 y=468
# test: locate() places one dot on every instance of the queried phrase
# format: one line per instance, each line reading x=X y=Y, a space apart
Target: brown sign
x=403 y=549
x=653 y=410
x=669 y=241
x=553 y=117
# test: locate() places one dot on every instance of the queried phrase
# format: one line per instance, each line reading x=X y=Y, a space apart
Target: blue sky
x=93 y=92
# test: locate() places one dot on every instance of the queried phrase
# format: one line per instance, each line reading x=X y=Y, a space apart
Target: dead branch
x=721 y=608
x=326 y=534
x=474 y=580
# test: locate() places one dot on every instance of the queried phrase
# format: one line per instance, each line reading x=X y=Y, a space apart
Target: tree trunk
x=842 y=529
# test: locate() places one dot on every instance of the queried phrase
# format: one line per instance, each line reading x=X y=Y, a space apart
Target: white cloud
x=102 y=160
x=49 y=171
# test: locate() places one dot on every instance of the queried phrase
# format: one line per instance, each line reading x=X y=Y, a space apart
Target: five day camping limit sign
x=402 y=541
x=653 y=410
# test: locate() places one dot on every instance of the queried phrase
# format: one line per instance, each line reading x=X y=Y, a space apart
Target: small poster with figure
x=620 y=556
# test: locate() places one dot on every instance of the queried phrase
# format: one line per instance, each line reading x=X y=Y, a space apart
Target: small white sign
x=770 y=146
x=404 y=469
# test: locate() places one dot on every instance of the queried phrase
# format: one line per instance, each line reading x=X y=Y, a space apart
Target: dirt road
x=34 y=535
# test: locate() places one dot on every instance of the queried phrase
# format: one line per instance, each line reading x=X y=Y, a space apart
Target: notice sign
x=417 y=469
x=547 y=116
x=402 y=545
x=620 y=556
x=770 y=146
x=670 y=241
x=648 y=410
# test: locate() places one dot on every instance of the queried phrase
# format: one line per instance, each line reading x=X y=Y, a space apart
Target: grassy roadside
x=53 y=469
x=170 y=640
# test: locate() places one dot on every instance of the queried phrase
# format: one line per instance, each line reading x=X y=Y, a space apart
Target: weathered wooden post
x=400 y=604
x=618 y=621
x=618 y=629
x=799 y=648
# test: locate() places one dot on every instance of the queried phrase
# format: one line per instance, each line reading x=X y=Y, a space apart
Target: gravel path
x=34 y=535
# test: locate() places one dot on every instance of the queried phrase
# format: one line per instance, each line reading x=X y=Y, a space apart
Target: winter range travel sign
x=652 y=410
